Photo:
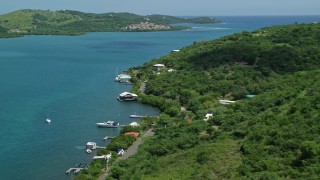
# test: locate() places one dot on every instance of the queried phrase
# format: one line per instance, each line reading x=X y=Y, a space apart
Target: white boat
x=108 y=124
x=122 y=78
x=126 y=96
x=48 y=120
x=136 y=116
x=108 y=137
x=89 y=151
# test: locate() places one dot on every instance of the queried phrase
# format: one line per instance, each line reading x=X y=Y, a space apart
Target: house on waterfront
x=91 y=145
x=126 y=96
x=158 y=67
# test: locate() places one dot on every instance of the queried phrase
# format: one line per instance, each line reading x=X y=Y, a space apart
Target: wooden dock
x=100 y=147
x=73 y=170
x=108 y=137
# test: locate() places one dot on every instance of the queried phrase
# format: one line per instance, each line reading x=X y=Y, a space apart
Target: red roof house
x=135 y=134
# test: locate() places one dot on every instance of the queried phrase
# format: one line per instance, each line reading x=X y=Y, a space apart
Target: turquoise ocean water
x=69 y=79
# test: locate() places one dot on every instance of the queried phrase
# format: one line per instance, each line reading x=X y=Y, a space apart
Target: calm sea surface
x=70 y=80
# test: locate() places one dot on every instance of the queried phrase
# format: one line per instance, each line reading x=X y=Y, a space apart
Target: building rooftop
x=135 y=134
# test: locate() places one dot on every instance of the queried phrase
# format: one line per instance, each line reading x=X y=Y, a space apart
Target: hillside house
x=158 y=67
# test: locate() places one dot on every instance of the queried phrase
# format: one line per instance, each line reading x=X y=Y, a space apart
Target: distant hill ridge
x=68 y=22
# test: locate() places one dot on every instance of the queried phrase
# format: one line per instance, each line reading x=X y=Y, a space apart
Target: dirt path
x=142 y=87
x=133 y=149
x=135 y=146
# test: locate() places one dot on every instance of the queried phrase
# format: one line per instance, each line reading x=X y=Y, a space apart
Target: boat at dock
x=122 y=78
x=108 y=124
x=137 y=116
x=89 y=151
x=108 y=137
x=73 y=170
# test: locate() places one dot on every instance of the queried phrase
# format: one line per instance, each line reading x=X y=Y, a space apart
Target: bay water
x=70 y=79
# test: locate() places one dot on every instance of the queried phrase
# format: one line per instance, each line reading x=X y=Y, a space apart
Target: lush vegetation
x=274 y=135
x=122 y=141
x=39 y=22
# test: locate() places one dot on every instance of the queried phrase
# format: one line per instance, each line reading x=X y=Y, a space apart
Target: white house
x=207 y=117
x=91 y=145
x=158 y=67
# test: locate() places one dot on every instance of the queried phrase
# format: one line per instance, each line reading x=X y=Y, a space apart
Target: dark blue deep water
x=69 y=79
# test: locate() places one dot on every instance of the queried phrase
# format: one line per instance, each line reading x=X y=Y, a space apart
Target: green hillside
x=26 y=22
x=273 y=135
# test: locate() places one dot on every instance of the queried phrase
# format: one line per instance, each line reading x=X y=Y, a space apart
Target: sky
x=172 y=7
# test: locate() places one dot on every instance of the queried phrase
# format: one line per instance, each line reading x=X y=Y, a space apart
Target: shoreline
x=145 y=130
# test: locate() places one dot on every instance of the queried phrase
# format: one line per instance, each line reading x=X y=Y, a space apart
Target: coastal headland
x=43 y=22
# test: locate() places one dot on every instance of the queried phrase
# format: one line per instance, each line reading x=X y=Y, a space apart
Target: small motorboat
x=89 y=151
x=108 y=124
x=48 y=120
x=137 y=116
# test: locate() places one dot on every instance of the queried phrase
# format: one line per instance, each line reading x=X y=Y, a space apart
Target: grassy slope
x=221 y=163
x=23 y=19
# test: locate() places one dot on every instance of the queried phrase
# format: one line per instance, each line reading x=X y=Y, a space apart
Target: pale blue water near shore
x=70 y=80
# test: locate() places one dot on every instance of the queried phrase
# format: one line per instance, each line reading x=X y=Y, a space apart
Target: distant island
x=68 y=22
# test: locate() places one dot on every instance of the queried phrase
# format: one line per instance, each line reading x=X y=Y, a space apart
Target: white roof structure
x=207 y=117
x=158 y=65
x=91 y=143
x=226 y=101
x=127 y=93
x=134 y=124
x=107 y=156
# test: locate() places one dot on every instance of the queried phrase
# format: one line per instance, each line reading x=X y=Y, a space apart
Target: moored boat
x=122 y=78
x=108 y=124
x=137 y=116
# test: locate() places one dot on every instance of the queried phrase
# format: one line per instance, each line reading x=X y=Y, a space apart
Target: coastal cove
x=70 y=80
